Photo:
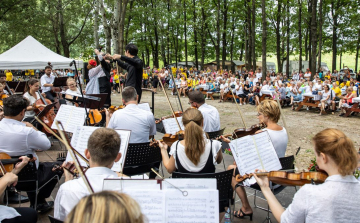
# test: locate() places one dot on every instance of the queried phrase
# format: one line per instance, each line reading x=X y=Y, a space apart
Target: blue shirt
x=69 y=74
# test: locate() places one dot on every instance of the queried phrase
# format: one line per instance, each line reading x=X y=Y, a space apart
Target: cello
x=49 y=117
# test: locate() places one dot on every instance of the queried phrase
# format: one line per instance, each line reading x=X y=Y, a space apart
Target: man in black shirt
x=133 y=65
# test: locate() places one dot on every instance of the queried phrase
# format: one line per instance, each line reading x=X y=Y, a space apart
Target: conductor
x=134 y=65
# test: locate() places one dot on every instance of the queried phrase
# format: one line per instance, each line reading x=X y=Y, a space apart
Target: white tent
x=31 y=54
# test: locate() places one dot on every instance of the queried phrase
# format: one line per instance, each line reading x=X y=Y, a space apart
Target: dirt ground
x=301 y=126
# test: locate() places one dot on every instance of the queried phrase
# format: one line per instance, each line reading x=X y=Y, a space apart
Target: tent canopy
x=31 y=54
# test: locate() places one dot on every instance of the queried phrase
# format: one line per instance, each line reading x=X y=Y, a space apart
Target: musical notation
x=254 y=152
x=171 y=126
x=70 y=117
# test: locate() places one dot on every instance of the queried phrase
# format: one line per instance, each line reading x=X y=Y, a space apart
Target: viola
x=69 y=167
x=288 y=179
x=177 y=114
x=169 y=139
x=49 y=117
x=95 y=116
x=113 y=108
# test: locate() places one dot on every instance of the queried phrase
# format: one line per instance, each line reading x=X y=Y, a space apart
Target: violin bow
x=74 y=157
x=61 y=140
x=172 y=109
x=177 y=91
x=238 y=107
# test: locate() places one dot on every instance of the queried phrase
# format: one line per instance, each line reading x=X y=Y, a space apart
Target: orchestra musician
x=336 y=200
x=209 y=112
x=102 y=151
x=134 y=65
x=19 y=214
x=140 y=122
x=73 y=90
x=19 y=138
x=3 y=83
x=194 y=154
x=46 y=82
x=269 y=114
x=31 y=94
x=106 y=206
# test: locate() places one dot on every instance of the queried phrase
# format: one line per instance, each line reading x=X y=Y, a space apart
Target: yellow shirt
x=26 y=72
x=337 y=91
x=189 y=82
x=184 y=73
x=31 y=72
x=327 y=77
x=116 y=78
x=145 y=76
x=348 y=83
x=195 y=83
x=9 y=76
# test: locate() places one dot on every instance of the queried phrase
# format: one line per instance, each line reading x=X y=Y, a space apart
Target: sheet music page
x=119 y=184
x=144 y=106
x=152 y=203
x=83 y=135
x=171 y=125
x=201 y=206
x=189 y=184
x=248 y=158
x=70 y=117
x=75 y=136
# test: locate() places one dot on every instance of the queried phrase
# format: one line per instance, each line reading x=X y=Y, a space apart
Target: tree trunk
x=288 y=39
x=64 y=43
x=96 y=25
x=225 y=14
x=232 y=43
x=313 y=37
x=334 y=14
x=253 y=12
x=217 y=47
x=320 y=33
x=264 y=36
x=306 y=44
x=185 y=34
x=278 y=38
x=195 y=36
x=357 y=52
x=242 y=51
x=107 y=30
x=203 y=36
x=300 y=35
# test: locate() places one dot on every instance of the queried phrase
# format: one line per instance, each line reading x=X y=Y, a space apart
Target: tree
x=264 y=36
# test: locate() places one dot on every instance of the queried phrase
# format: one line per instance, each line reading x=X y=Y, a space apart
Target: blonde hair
x=69 y=80
x=270 y=109
x=339 y=147
x=194 y=137
x=106 y=206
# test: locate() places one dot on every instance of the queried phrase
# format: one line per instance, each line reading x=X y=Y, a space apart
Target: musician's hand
x=116 y=57
x=24 y=161
x=263 y=181
x=162 y=145
x=43 y=94
x=96 y=51
x=12 y=90
x=68 y=175
x=84 y=92
x=224 y=139
x=107 y=113
x=10 y=179
x=108 y=56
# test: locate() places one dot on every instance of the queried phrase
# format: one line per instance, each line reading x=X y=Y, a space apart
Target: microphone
x=72 y=63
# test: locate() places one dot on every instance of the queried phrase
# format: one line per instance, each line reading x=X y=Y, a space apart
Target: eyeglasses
x=258 y=114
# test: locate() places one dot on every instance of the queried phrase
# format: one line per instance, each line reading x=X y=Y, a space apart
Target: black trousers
x=105 y=87
x=44 y=174
x=139 y=92
x=28 y=215
x=49 y=96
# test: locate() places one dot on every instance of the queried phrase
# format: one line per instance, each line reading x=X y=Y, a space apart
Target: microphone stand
x=87 y=119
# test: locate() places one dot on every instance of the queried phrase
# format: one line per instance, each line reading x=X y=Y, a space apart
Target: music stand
x=18 y=87
x=60 y=81
x=99 y=104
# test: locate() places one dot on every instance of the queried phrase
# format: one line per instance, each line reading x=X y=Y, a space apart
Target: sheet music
x=83 y=133
x=254 y=152
x=189 y=184
x=70 y=117
x=75 y=136
x=118 y=184
x=144 y=106
x=171 y=125
x=201 y=206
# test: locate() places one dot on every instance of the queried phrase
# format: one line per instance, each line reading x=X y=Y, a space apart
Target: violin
x=69 y=166
x=49 y=117
x=288 y=179
x=176 y=114
x=3 y=96
x=169 y=139
x=113 y=108
x=8 y=162
x=241 y=132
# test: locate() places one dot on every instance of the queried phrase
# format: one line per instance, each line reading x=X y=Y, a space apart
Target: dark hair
x=14 y=104
x=132 y=48
x=2 y=74
x=196 y=96
x=49 y=66
x=28 y=83
x=104 y=146
x=129 y=94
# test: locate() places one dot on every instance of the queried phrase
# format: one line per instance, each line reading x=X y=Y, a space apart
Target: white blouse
x=336 y=200
x=186 y=163
x=32 y=101
x=279 y=140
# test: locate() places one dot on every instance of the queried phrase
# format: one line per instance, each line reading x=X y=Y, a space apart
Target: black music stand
x=97 y=104
x=18 y=87
x=60 y=81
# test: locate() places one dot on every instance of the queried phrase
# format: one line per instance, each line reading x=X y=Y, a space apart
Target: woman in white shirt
x=336 y=200
x=325 y=98
x=239 y=91
x=269 y=114
x=73 y=90
x=32 y=94
x=222 y=90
